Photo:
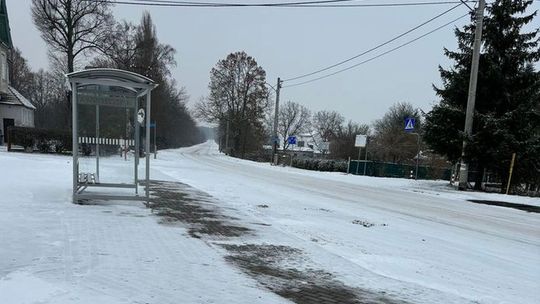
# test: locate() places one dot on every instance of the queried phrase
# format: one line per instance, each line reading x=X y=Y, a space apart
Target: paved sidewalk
x=284 y=270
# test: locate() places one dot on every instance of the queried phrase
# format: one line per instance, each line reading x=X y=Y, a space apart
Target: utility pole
x=510 y=173
x=464 y=167
x=276 y=114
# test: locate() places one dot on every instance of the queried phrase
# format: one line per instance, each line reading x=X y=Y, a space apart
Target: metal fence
x=381 y=169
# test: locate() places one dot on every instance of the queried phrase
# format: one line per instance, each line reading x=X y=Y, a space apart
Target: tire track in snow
x=422 y=204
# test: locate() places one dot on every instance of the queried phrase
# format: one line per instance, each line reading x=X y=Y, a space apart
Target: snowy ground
x=427 y=243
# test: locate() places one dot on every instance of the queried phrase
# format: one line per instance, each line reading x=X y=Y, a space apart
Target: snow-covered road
x=432 y=239
x=419 y=241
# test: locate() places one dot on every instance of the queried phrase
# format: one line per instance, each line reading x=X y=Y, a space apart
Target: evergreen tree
x=507 y=111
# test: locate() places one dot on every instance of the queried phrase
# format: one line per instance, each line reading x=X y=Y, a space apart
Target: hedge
x=45 y=141
x=320 y=165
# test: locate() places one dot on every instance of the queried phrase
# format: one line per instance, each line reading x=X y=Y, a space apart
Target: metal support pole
x=126 y=142
x=75 y=143
x=510 y=173
x=147 y=145
x=358 y=163
x=365 y=159
x=137 y=135
x=276 y=114
x=292 y=155
x=417 y=156
x=464 y=168
x=97 y=143
x=349 y=165
x=155 y=140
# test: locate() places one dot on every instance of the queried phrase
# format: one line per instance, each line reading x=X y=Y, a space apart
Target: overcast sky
x=288 y=42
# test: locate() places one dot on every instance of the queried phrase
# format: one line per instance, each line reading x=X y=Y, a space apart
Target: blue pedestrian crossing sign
x=409 y=124
x=291 y=140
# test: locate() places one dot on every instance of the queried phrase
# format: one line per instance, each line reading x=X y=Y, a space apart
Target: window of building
x=4 y=66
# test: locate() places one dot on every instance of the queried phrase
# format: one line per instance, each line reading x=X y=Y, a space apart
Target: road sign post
x=409 y=128
x=365 y=160
x=360 y=142
x=291 y=140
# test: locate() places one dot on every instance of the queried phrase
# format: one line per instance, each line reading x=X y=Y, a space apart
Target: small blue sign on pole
x=291 y=140
x=409 y=124
x=152 y=125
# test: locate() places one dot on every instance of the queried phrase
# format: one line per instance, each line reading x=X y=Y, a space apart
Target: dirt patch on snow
x=179 y=203
x=280 y=269
x=277 y=269
x=523 y=207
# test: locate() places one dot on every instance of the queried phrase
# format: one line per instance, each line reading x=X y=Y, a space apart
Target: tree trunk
x=244 y=139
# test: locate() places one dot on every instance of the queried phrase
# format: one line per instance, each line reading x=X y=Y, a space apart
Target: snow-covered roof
x=21 y=98
x=301 y=149
x=14 y=98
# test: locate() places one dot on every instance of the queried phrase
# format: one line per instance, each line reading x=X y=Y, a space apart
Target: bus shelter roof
x=112 y=78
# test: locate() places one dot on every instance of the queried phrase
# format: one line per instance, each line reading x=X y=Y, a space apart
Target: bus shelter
x=111 y=132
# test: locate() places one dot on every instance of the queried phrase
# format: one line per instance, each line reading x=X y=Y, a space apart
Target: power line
x=395 y=4
x=465 y=2
x=306 y=4
x=197 y=3
x=378 y=56
x=375 y=47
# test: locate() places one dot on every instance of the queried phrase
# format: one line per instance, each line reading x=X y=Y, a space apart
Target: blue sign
x=409 y=124
x=152 y=125
x=291 y=140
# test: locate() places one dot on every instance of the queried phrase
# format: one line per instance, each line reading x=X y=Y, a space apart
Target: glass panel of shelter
x=107 y=129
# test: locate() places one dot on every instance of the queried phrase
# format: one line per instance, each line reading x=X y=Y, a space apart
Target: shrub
x=44 y=140
x=21 y=137
x=320 y=165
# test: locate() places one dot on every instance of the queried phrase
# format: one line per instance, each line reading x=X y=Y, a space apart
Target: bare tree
x=293 y=119
x=391 y=142
x=122 y=48
x=42 y=90
x=20 y=74
x=72 y=27
x=343 y=143
x=327 y=124
x=45 y=90
x=238 y=96
x=46 y=95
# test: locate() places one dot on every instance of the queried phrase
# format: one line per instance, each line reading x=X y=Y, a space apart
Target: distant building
x=307 y=146
x=15 y=109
